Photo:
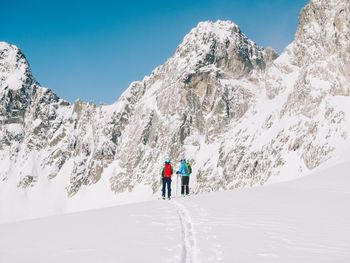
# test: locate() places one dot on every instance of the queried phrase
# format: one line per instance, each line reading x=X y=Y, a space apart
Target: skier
x=184 y=170
x=167 y=172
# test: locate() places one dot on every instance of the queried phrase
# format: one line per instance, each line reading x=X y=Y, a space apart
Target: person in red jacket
x=167 y=172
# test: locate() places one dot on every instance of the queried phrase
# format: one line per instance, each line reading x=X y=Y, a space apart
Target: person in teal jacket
x=184 y=170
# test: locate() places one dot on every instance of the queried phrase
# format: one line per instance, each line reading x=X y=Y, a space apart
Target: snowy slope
x=305 y=220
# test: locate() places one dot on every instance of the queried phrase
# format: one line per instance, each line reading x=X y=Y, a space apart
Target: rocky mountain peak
x=323 y=31
x=204 y=31
x=15 y=72
x=218 y=46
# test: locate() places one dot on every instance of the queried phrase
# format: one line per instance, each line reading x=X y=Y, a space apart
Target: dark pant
x=166 y=182
x=184 y=185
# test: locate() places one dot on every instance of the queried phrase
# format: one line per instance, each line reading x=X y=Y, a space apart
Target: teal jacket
x=182 y=169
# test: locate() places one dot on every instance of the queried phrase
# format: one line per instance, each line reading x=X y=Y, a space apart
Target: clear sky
x=92 y=50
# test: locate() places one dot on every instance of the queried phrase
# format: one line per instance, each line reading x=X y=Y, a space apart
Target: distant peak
x=14 y=68
x=224 y=25
x=224 y=45
x=221 y=29
x=7 y=46
x=10 y=53
x=4 y=44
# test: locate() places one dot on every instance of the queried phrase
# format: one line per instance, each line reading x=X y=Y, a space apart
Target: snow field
x=305 y=220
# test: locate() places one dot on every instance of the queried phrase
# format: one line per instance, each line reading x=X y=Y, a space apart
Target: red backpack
x=167 y=170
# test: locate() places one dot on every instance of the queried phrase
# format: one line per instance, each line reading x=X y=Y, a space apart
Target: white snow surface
x=305 y=220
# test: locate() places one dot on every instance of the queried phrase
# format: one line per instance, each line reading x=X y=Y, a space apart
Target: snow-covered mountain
x=239 y=113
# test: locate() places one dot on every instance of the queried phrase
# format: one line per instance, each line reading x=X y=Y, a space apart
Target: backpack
x=188 y=168
x=168 y=170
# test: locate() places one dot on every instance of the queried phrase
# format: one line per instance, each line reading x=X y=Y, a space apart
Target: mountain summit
x=222 y=44
x=14 y=68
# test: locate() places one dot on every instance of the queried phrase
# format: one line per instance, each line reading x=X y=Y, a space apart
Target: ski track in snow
x=189 y=243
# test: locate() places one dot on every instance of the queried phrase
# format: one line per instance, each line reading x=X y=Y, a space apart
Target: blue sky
x=93 y=49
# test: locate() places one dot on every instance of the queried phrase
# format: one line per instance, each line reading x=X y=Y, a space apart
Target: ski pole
x=177 y=185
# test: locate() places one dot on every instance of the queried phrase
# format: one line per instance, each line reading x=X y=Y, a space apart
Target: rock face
x=236 y=111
